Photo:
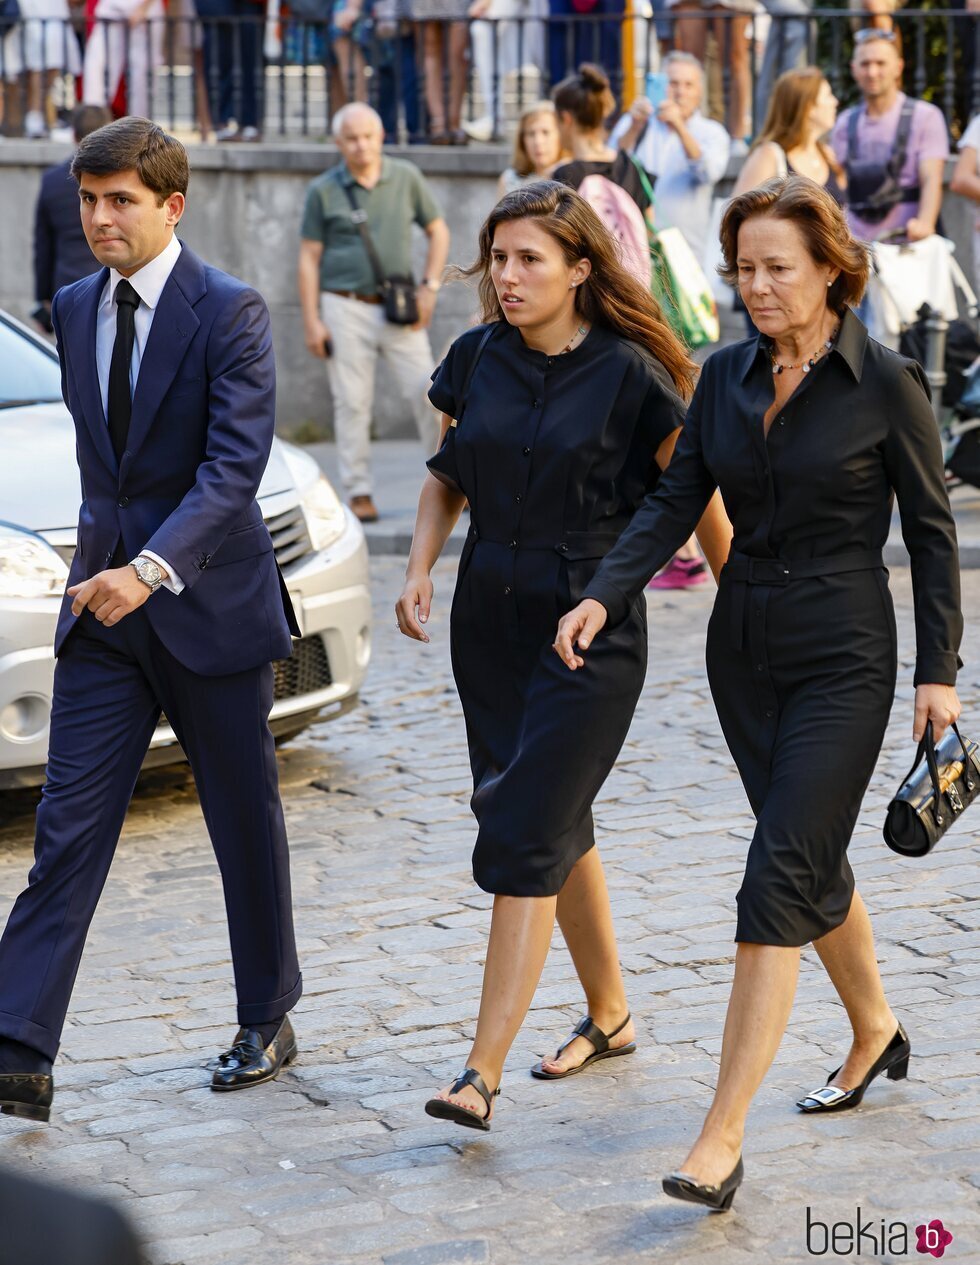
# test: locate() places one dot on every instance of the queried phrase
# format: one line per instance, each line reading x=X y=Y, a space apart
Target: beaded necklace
x=568 y=346
x=805 y=365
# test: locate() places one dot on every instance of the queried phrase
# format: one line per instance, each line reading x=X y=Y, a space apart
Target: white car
x=319 y=545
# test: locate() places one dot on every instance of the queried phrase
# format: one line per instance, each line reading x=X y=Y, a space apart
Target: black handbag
x=932 y=796
x=397 y=293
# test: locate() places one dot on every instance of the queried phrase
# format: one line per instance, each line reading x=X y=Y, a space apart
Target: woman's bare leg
x=432 y=58
x=585 y=918
x=848 y=956
x=758 y=1011
x=459 y=42
x=520 y=936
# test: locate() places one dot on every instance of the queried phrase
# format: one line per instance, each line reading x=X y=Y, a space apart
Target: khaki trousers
x=360 y=336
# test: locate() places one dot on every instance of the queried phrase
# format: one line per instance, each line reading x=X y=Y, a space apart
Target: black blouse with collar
x=857 y=431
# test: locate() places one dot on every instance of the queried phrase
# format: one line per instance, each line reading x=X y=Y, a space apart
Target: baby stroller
x=911 y=283
x=961 y=437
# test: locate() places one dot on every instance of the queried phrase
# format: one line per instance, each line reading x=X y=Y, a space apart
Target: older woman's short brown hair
x=819 y=218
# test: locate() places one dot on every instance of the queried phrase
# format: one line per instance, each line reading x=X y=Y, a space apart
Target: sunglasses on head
x=870 y=33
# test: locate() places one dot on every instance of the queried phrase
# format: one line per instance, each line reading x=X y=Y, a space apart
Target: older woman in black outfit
x=557 y=415
x=809 y=429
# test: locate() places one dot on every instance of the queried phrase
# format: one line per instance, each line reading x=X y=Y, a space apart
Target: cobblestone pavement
x=337 y=1162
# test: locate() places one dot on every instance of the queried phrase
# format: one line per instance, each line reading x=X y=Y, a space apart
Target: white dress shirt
x=682 y=186
x=148 y=283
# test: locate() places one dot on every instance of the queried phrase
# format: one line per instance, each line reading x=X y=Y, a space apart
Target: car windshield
x=28 y=374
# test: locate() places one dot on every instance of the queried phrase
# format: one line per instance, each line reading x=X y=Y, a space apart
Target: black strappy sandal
x=443 y=1110
x=598 y=1038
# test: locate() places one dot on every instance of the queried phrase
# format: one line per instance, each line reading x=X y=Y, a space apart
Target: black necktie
x=120 y=400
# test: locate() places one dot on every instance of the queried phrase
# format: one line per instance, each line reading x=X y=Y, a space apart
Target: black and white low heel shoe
x=469 y=1119
x=894 y=1062
x=683 y=1186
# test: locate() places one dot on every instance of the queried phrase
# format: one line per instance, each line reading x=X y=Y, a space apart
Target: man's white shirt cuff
x=173 y=582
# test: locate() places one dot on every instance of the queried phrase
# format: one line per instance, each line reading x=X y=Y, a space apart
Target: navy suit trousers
x=109 y=688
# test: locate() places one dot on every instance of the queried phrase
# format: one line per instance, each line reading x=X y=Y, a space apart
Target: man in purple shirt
x=865 y=141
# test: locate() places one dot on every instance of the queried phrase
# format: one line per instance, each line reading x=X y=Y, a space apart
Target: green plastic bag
x=678 y=283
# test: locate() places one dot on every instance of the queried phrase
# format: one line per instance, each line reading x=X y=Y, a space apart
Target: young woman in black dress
x=557 y=414
x=810 y=429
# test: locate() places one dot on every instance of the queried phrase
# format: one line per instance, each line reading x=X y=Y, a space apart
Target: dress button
x=513 y=544
x=123 y=502
x=770 y=713
x=518 y=498
x=563 y=547
x=527 y=452
x=535 y=404
x=759 y=667
x=507 y=590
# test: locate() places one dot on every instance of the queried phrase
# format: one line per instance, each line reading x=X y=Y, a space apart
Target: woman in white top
x=537 y=148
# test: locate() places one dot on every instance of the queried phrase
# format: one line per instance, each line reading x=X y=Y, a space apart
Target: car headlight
x=324 y=513
x=29 y=567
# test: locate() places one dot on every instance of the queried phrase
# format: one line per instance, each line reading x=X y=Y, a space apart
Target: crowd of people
x=649 y=168
x=411 y=58
x=587 y=447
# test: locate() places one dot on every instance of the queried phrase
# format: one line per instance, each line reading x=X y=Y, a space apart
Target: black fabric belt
x=572 y=545
x=741 y=570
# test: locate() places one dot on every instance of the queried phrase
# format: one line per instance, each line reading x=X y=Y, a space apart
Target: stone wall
x=243 y=214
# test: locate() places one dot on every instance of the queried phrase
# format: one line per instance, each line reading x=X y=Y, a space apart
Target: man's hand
x=579 y=625
x=316 y=335
x=917 y=229
x=110 y=595
x=138 y=15
x=938 y=703
x=640 y=110
x=669 y=112
x=478 y=8
x=427 y=306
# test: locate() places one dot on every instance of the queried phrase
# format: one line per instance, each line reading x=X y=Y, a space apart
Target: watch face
x=148 y=571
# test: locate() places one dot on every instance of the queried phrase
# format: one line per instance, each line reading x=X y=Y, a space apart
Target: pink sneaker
x=680 y=573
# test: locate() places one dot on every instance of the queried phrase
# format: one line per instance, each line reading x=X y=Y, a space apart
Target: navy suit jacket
x=201 y=430
x=61 y=253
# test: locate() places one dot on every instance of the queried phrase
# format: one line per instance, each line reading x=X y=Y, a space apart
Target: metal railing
x=285 y=76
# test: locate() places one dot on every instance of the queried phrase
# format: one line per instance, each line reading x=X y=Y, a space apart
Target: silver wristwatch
x=148 y=571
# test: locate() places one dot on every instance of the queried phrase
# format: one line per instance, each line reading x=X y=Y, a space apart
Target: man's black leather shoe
x=249 y=1062
x=26 y=1094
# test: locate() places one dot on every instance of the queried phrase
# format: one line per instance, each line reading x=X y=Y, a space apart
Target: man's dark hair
x=86 y=119
x=135 y=144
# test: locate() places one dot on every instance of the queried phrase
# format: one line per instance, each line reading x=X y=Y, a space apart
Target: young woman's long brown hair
x=610 y=296
x=787 y=119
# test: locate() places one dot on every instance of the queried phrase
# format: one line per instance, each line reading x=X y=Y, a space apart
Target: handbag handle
x=927 y=747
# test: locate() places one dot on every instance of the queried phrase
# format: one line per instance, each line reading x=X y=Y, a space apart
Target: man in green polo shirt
x=343 y=316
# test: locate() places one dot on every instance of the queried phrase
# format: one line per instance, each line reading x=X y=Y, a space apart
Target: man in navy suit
x=174 y=603
x=61 y=253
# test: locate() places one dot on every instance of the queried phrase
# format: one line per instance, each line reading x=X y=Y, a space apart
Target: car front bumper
x=331 y=598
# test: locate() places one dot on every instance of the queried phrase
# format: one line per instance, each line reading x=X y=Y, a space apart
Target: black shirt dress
x=554 y=454
x=801 y=645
